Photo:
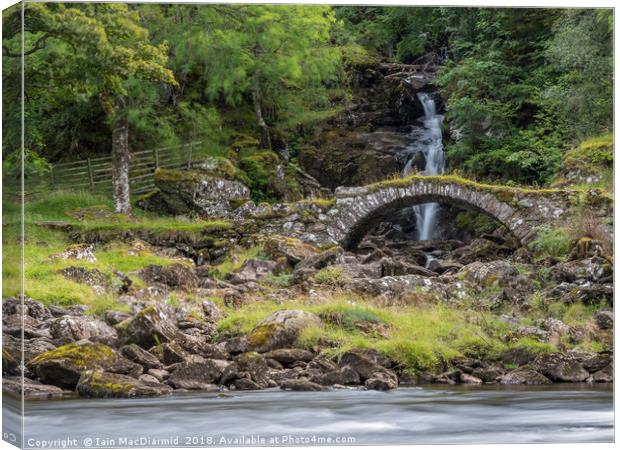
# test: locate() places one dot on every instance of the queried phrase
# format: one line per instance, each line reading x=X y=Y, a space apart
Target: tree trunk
x=258 y=112
x=120 y=162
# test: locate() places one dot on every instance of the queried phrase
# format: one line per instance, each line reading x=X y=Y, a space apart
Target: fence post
x=91 y=176
x=52 y=178
x=189 y=157
x=156 y=156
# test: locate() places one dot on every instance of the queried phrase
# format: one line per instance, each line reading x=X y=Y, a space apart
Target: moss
x=82 y=356
x=261 y=334
x=596 y=151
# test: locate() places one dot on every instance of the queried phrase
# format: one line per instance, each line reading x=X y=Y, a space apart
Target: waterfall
x=429 y=142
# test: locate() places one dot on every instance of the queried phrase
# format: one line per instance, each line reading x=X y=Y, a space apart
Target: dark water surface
x=417 y=415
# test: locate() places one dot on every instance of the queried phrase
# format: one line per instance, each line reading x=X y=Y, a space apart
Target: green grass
x=549 y=241
x=331 y=276
x=234 y=261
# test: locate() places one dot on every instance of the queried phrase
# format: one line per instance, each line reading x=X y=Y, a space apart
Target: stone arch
x=357 y=209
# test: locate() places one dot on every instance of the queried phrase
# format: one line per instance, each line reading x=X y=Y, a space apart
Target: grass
x=420 y=337
x=43 y=281
x=331 y=276
x=553 y=242
x=235 y=261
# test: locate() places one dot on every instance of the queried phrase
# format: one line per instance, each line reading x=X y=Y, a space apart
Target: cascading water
x=429 y=142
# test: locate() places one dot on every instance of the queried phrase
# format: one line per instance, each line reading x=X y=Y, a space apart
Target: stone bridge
x=357 y=209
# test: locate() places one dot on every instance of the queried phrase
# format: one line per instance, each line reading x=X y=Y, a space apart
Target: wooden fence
x=95 y=174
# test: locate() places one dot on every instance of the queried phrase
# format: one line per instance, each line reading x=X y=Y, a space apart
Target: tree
x=106 y=56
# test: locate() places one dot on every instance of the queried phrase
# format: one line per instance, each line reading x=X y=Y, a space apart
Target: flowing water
x=427 y=140
x=434 y=414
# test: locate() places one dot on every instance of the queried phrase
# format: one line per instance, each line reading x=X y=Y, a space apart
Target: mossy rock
x=98 y=384
x=149 y=327
x=281 y=330
x=64 y=365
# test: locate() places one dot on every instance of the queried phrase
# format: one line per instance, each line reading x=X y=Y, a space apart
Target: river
x=416 y=415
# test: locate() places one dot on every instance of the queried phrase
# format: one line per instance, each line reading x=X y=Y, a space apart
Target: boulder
x=147 y=328
x=176 y=276
x=489 y=274
x=81 y=252
x=289 y=356
x=82 y=275
x=172 y=353
x=524 y=375
x=325 y=258
x=300 y=385
x=517 y=355
x=364 y=364
x=27 y=307
x=196 y=375
x=16 y=324
x=582 y=271
x=480 y=250
x=280 y=330
x=12 y=348
x=256 y=366
x=252 y=270
x=597 y=362
x=140 y=356
x=69 y=329
x=211 y=311
x=466 y=378
x=113 y=318
x=382 y=381
x=487 y=374
x=395 y=267
x=293 y=250
x=98 y=384
x=64 y=365
x=560 y=367
x=159 y=374
x=605 y=375
x=342 y=376
x=29 y=389
x=604 y=320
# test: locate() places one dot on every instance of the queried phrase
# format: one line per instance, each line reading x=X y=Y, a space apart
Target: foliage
x=551 y=242
x=331 y=276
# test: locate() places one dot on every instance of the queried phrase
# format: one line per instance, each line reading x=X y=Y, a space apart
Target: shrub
x=551 y=242
x=331 y=276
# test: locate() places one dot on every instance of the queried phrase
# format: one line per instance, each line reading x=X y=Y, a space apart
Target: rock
x=211 y=311
x=280 y=330
x=524 y=375
x=172 y=353
x=63 y=365
x=68 y=329
x=159 y=374
x=236 y=345
x=362 y=364
x=29 y=307
x=201 y=376
x=382 y=381
x=13 y=347
x=533 y=333
x=113 y=318
x=300 y=385
x=177 y=276
x=597 y=362
x=140 y=356
x=16 y=324
x=343 y=376
x=328 y=257
x=82 y=252
x=89 y=277
x=394 y=267
x=288 y=356
x=593 y=269
x=466 y=378
x=518 y=356
x=487 y=374
x=560 y=367
x=98 y=384
x=147 y=378
x=444 y=267
x=489 y=274
x=293 y=250
x=604 y=320
x=253 y=270
x=29 y=389
x=357 y=270
x=605 y=375
x=479 y=250
x=147 y=328
x=245 y=384
x=256 y=366
x=207 y=190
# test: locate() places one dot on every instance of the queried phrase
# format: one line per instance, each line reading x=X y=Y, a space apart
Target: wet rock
x=68 y=329
x=280 y=330
x=301 y=385
x=487 y=374
x=98 y=384
x=382 y=381
x=597 y=362
x=288 y=356
x=147 y=328
x=343 y=376
x=140 y=356
x=524 y=375
x=560 y=367
x=604 y=320
x=605 y=375
x=256 y=366
x=196 y=376
x=253 y=270
x=176 y=276
x=245 y=384
x=362 y=363
x=63 y=365
x=29 y=389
